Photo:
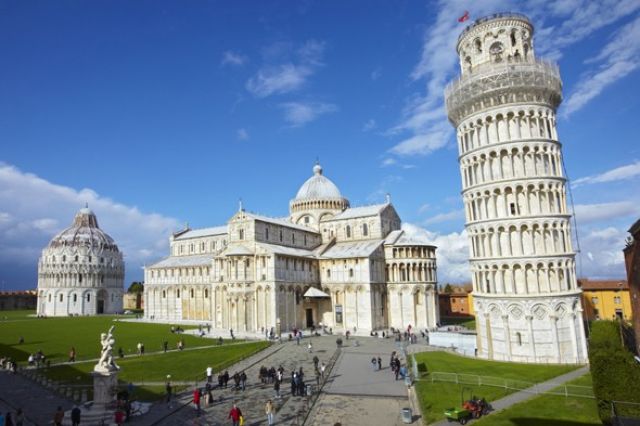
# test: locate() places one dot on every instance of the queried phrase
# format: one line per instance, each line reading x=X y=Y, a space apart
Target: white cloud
x=376 y=74
x=369 y=125
x=36 y=209
x=619 y=173
x=242 y=134
x=297 y=114
x=388 y=162
x=423 y=143
x=619 y=58
x=601 y=253
x=452 y=255
x=289 y=75
x=232 y=58
x=457 y=215
x=587 y=213
x=424 y=208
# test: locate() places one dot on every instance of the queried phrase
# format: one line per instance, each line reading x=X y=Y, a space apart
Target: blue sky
x=159 y=113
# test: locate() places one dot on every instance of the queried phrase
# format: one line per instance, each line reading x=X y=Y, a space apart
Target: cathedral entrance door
x=309 y=312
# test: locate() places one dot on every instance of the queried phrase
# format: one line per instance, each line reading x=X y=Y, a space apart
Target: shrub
x=613 y=368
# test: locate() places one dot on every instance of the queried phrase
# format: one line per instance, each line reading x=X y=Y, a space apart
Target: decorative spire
x=86 y=204
x=240 y=207
x=388 y=198
x=317 y=169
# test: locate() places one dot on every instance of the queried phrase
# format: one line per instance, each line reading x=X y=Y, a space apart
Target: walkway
x=359 y=395
x=531 y=392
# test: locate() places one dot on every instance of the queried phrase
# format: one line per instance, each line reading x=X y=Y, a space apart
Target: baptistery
x=81 y=271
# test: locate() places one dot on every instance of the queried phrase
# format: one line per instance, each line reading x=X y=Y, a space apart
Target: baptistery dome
x=81 y=271
x=317 y=199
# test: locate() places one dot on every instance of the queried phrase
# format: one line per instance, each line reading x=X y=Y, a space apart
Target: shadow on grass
x=528 y=421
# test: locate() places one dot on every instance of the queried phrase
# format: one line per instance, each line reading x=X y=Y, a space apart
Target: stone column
x=507 y=336
x=532 y=344
x=556 y=340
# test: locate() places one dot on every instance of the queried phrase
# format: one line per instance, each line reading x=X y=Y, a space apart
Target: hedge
x=615 y=372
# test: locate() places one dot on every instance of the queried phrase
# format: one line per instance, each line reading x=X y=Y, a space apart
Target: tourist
x=379 y=363
x=235 y=415
x=165 y=346
x=118 y=417
x=31 y=360
x=310 y=347
x=269 y=410
x=58 y=416
x=19 y=417
x=225 y=378
x=231 y=333
x=139 y=347
x=196 y=400
x=21 y=340
x=276 y=388
x=120 y=353
x=219 y=340
x=72 y=354
x=243 y=380
x=142 y=349
x=236 y=380
x=209 y=374
x=75 y=415
x=180 y=344
x=168 y=391
x=322 y=368
x=315 y=362
x=374 y=363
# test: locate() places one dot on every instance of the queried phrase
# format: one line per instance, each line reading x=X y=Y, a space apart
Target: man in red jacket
x=235 y=415
x=196 y=400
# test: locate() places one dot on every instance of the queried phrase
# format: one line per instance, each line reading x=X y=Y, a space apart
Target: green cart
x=457 y=415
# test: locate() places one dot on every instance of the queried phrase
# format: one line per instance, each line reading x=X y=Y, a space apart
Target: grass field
x=436 y=397
x=56 y=336
x=551 y=410
x=144 y=370
x=468 y=322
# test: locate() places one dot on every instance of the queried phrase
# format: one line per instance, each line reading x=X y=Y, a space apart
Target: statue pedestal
x=100 y=410
x=105 y=384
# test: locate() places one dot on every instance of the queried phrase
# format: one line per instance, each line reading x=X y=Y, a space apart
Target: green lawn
x=182 y=366
x=55 y=336
x=15 y=315
x=436 y=397
x=552 y=410
x=468 y=321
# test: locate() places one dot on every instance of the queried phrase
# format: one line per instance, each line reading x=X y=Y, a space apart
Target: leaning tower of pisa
x=503 y=107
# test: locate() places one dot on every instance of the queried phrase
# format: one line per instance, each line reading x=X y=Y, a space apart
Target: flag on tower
x=464 y=17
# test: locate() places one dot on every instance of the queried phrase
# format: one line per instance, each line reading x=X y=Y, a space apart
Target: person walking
x=118 y=417
x=270 y=411
x=379 y=363
x=196 y=401
x=374 y=363
x=139 y=347
x=276 y=388
x=72 y=354
x=209 y=374
x=75 y=416
x=243 y=381
x=19 y=417
x=310 y=347
x=165 y=346
x=58 y=416
x=235 y=415
x=168 y=391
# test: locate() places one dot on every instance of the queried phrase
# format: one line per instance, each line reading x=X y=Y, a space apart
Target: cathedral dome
x=317 y=187
x=84 y=232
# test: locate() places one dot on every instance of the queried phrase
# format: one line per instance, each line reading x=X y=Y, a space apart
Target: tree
x=448 y=289
x=136 y=287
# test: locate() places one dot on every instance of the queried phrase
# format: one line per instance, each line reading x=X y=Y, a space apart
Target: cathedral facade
x=325 y=265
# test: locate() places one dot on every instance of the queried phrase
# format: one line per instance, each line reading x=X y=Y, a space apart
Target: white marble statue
x=106 y=362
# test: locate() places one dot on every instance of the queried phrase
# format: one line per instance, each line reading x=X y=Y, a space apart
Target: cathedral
x=325 y=265
x=81 y=271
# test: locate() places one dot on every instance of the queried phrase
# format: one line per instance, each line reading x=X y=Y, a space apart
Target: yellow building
x=605 y=299
x=470 y=304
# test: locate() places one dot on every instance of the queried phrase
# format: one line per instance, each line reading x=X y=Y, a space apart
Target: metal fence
x=516 y=385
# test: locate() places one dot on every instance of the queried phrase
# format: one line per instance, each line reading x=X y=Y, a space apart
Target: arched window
x=478 y=45
x=306 y=219
x=281 y=235
x=88 y=297
x=365 y=229
x=76 y=258
x=266 y=233
x=61 y=297
x=206 y=293
x=351 y=272
x=519 y=338
x=496 y=50
x=293 y=238
x=178 y=293
x=348 y=230
x=79 y=278
x=328 y=273
x=49 y=297
x=75 y=298
x=64 y=258
x=241 y=234
x=164 y=294
x=191 y=292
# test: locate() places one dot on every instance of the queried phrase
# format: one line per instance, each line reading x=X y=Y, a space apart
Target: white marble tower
x=503 y=107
